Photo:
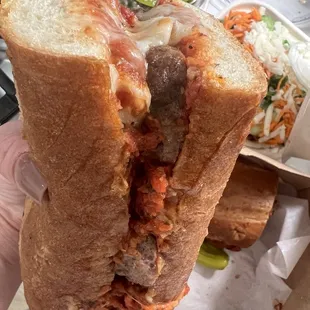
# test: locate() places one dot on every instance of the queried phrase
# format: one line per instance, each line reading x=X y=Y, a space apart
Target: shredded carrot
x=290 y=121
x=289 y=118
x=274 y=141
x=288 y=131
x=291 y=114
x=280 y=82
x=249 y=47
x=278 y=125
x=236 y=13
x=256 y=15
x=279 y=103
x=229 y=24
x=286 y=87
x=239 y=22
x=273 y=125
x=239 y=35
x=280 y=115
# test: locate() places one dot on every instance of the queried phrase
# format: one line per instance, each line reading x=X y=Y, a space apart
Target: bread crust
x=207 y=159
x=216 y=135
x=71 y=123
x=76 y=139
x=245 y=207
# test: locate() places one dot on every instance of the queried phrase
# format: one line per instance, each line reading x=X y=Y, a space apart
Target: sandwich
x=245 y=207
x=135 y=122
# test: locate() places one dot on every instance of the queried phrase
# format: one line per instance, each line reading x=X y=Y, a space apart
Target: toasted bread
x=245 y=207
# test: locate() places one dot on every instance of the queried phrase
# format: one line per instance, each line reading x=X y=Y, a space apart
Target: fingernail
x=28 y=178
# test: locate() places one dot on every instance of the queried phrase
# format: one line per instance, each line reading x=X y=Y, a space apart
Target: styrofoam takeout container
x=298 y=144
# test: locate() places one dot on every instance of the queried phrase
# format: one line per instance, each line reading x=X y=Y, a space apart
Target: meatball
x=141 y=269
x=166 y=74
x=166 y=79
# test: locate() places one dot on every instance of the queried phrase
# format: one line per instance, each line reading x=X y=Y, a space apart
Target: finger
x=11 y=147
x=13 y=127
x=10 y=280
x=9 y=259
x=16 y=165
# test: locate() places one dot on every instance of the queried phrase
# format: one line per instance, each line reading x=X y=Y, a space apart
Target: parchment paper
x=253 y=278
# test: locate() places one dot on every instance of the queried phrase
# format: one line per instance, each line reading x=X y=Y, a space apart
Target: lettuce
x=269 y=21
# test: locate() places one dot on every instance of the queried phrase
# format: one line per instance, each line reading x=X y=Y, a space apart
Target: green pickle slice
x=212 y=257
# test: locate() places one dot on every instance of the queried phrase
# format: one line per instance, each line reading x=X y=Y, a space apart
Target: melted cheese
x=163 y=25
x=154 y=32
x=182 y=14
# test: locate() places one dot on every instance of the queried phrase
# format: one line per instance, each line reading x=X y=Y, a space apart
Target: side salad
x=269 y=41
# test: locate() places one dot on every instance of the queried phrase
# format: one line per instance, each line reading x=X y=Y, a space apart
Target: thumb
x=16 y=165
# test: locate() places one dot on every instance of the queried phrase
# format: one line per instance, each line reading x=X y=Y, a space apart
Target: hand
x=18 y=178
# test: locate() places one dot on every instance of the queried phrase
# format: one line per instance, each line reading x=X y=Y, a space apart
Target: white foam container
x=298 y=144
